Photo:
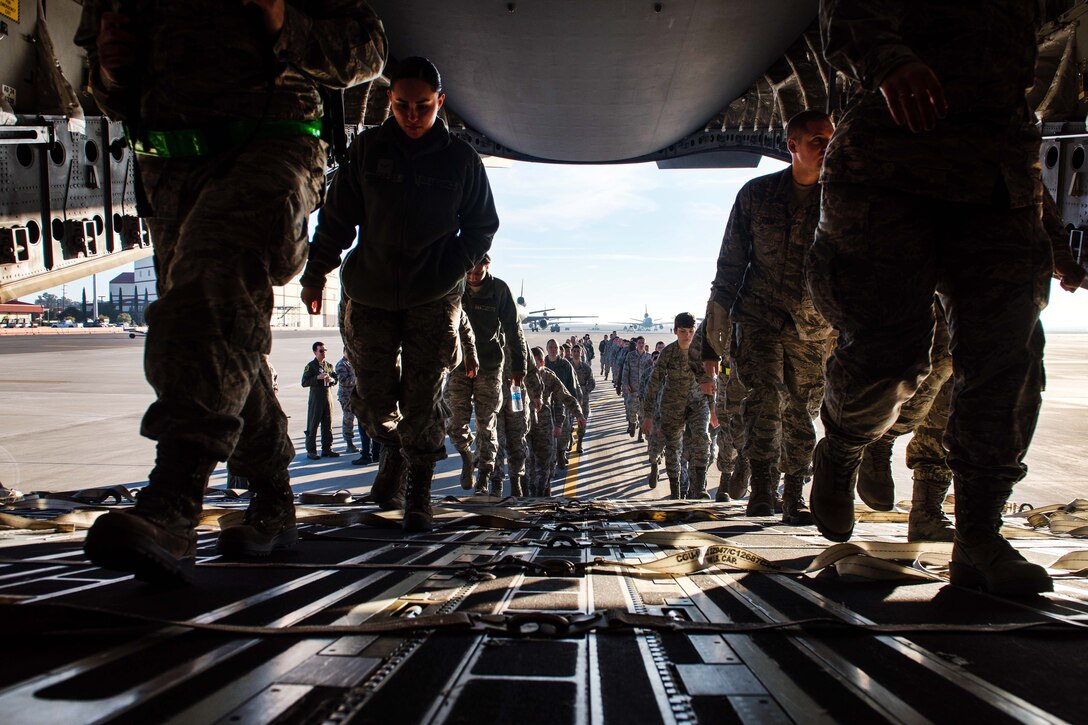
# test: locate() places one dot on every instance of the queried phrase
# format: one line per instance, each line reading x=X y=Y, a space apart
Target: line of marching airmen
x=837 y=258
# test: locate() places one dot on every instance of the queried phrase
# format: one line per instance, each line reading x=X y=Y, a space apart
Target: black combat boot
x=674 y=487
x=388 y=488
x=738 y=480
x=156 y=538
x=876 y=488
x=831 y=500
x=981 y=557
x=655 y=472
x=417 y=504
x=764 y=489
x=466 y=469
x=515 y=485
x=269 y=522
x=794 y=510
x=927 y=521
x=697 y=484
x=639 y=439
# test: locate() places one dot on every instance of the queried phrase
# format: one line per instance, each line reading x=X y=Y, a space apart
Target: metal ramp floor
x=543 y=611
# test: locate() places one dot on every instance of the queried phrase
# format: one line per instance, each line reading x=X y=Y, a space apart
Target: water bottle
x=516 y=403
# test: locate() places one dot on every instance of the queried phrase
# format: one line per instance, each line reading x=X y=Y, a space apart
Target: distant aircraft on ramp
x=540 y=319
x=646 y=324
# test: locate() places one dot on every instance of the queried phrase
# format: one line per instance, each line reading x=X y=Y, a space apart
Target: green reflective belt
x=184 y=142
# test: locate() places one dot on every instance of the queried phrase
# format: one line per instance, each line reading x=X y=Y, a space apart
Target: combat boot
x=697 y=484
x=981 y=557
x=640 y=438
x=927 y=521
x=831 y=500
x=491 y=486
x=794 y=510
x=655 y=472
x=269 y=522
x=388 y=488
x=723 y=487
x=876 y=488
x=581 y=436
x=674 y=488
x=350 y=441
x=417 y=503
x=481 y=487
x=466 y=468
x=764 y=484
x=738 y=480
x=515 y=485
x=156 y=538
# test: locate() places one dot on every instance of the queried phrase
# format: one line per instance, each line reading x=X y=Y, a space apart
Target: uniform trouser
x=926 y=413
x=319 y=415
x=347 y=422
x=484 y=393
x=873 y=268
x=512 y=429
x=730 y=435
x=226 y=230
x=403 y=356
x=566 y=425
x=782 y=374
x=632 y=403
x=693 y=411
x=543 y=443
x=926 y=455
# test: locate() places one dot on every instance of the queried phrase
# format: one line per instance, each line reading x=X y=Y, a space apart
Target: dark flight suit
x=319 y=406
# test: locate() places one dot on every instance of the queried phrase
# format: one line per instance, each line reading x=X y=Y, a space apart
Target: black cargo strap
x=550 y=625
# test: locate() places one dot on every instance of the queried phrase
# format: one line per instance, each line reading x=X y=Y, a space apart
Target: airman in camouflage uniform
x=494 y=318
x=655 y=440
x=680 y=374
x=586 y=383
x=729 y=396
x=547 y=395
x=636 y=367
x=512 y=428
x=565 y=372
x=345 y=376
x=780 y=337
x=228 y=224
x=937 y=77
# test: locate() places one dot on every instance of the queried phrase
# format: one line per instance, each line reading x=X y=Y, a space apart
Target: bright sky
x=613 y=240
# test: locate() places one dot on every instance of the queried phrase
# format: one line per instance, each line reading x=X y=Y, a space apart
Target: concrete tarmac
x=70 y=409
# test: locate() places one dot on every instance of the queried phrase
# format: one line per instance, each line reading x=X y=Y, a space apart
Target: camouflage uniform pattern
x=484 y=393
x=226 y=232
x=780 y=337
x=677 y=375
x=345 y=377
x=926 y=413
x=727 y=404
x=546 y=394
x=512 y=428
x=967 y=225
x=404 y=355
x=636 y=369
x=781 y=374
x=583 y=371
